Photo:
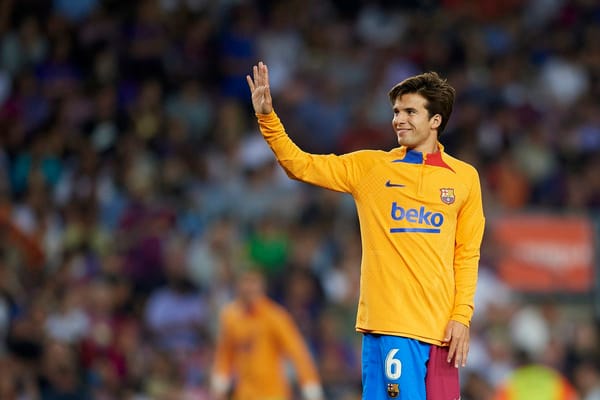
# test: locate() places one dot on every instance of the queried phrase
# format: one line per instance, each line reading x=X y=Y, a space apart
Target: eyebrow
x=407 y=109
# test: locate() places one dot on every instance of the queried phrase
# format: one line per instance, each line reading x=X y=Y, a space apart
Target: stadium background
x=134 y=183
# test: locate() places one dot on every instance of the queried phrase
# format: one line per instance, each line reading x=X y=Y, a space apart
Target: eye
x=412 y=112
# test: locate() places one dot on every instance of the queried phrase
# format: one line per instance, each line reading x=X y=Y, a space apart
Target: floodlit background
x=134 y=182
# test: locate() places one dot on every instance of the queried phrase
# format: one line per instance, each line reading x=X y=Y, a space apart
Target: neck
x=250 y=303
x=426 y=148
x=434 y=149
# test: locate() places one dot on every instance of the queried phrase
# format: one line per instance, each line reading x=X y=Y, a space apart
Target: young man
x=255 y=336
x=421 y=222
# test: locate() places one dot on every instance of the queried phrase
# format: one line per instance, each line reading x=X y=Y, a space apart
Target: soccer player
x=255 y=337
x=421 y=221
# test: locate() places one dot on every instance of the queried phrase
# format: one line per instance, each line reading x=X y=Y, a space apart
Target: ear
x=435 y=121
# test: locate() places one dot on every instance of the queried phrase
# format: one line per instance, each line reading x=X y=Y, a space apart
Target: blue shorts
x=401 y=368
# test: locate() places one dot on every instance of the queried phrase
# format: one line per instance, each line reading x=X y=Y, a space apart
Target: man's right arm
x=339 y=173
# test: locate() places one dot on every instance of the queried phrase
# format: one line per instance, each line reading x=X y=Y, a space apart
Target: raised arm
x=259 y=87
x=340 y=173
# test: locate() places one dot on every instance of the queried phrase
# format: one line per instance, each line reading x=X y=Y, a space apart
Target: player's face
x=412 y=124
x=251 y=287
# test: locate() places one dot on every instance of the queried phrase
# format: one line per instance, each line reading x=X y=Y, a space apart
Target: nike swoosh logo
x=390 y=184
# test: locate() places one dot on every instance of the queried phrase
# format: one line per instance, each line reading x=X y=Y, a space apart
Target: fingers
x=259 y=87
x=448 y=339
x=265 y=73
x=257 y=77
x=458 y=350
x=448 y=334
x=452 y=351
x=250 y=83
x=260 y=75
x=457 y=337
x=462 y=350
x=464 y=353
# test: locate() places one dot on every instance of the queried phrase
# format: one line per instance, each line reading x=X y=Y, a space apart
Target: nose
x=399 y=118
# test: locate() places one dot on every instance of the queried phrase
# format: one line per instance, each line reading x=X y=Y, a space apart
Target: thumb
x=448 y=334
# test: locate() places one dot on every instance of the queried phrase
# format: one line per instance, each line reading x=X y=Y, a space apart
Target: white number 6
x=393 y=366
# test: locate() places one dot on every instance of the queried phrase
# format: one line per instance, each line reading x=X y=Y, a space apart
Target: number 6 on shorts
x=393 y=366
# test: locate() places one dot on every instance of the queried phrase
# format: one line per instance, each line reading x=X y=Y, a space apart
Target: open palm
x=259 y=87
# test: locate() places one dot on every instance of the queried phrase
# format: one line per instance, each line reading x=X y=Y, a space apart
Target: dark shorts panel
x=441 y=381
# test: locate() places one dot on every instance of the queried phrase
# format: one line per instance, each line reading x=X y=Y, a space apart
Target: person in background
x=255 y=338
x=532 y=380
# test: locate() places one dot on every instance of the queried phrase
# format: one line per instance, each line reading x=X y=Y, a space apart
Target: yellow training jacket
x=421 y=222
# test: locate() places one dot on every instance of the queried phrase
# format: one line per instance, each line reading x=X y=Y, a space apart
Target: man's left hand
x=457 y=337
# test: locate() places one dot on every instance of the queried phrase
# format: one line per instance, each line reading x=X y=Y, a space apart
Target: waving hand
x=259 y=87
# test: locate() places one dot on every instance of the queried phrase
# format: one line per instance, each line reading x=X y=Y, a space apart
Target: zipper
x=420 y=180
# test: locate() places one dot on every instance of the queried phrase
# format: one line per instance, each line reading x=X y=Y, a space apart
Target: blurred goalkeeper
x=421 y=221
x=256 y=336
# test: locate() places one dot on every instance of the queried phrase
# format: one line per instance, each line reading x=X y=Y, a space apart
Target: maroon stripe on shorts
x=441 y=381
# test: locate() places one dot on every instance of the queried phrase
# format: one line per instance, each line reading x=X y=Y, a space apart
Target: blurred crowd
x=134 y=183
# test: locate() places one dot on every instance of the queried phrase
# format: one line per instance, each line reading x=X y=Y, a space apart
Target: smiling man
x=421 y=222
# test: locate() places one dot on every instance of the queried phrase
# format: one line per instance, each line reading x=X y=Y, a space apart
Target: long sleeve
x=421 y=223
x=339 y=173
x=295 y=348
x=223 y=364
x=469 y=233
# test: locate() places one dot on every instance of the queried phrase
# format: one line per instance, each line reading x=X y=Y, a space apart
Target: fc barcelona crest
x=392 y=390
x=447 y=195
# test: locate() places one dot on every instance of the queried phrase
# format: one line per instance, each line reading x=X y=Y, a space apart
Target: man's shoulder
x=264 y=305
x=459 y=166
x=228 y=309
x=370 y=156
x=273 y=308
x=376 y=153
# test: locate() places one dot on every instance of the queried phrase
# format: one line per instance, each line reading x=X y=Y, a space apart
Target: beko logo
x=426 y=221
